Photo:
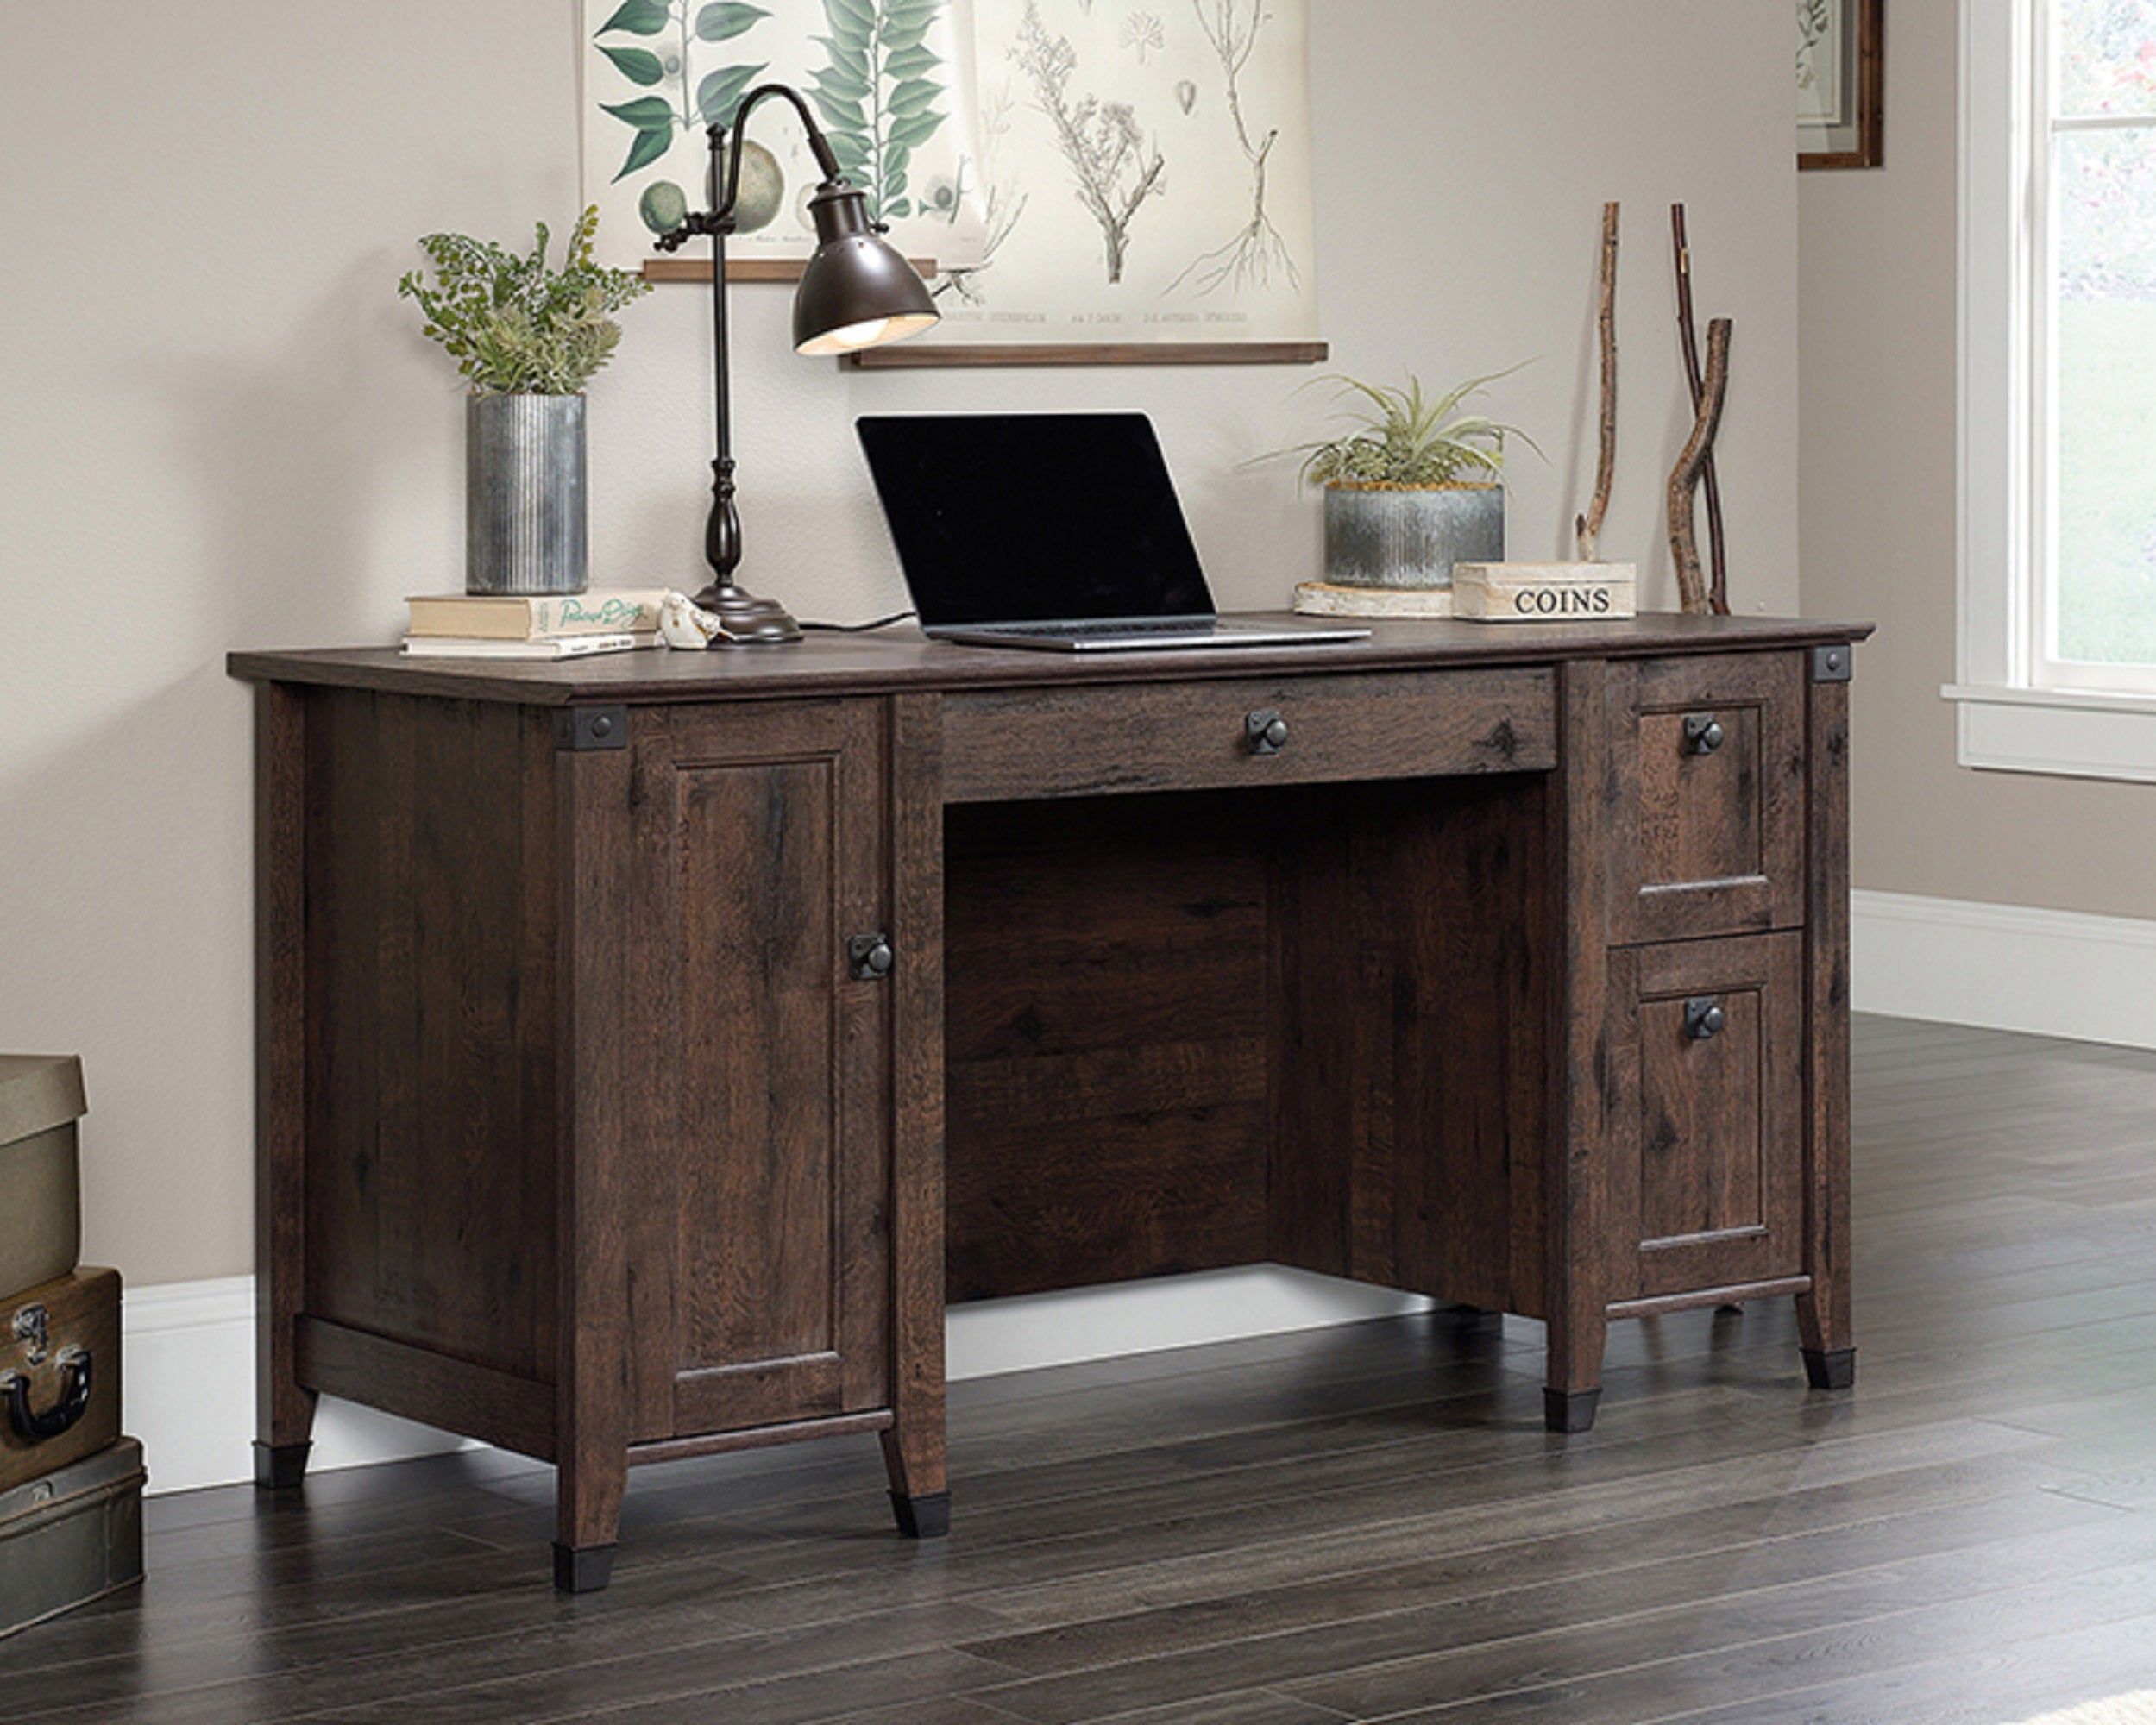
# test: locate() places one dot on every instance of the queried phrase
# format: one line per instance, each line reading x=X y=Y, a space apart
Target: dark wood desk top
x=901 y=660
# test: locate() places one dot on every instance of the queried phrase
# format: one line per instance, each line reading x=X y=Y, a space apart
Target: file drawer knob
x=1267 y=732
x=1704 y=1018
x=1703 y=733
x=872 y=957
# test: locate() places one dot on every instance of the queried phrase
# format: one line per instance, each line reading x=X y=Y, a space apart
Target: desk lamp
x=856 y=293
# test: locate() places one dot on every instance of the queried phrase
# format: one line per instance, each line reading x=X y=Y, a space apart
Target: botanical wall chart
x=1096 y=173
x=889 y=81
x=1145 y=166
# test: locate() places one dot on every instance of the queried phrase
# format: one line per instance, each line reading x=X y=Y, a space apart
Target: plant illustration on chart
x=657 y=48
x=876 y=93
x=1257 y=253
x=1141 y=32
x=1815 y=20
x=1004 y=199
x=1115 y=168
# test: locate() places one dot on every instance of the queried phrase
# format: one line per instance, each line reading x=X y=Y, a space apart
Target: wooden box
x=41 y=1208
x=1544 y=593
x=70 y=1537
x=59 y=1374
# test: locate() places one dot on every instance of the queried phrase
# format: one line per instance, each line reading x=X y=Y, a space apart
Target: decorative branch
x=1100 y=141
x=1718 y=591
x=1588 y=527
x=1684 y=544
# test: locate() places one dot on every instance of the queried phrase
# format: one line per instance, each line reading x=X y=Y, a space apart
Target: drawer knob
x=1267 y=732
x=872 y=957
x=1703 y=733
x=1704 y=1018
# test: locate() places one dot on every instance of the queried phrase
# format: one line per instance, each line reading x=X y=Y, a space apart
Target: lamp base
x=749 y=621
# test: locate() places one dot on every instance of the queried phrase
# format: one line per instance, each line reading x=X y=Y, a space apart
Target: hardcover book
x=488 y=618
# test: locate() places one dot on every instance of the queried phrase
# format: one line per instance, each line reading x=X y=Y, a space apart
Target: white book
x=569 y=646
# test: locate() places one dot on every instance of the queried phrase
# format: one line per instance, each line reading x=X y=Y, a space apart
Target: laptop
x=1058 y=532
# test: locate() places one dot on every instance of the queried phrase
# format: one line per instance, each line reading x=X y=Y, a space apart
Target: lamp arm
x=826 y=159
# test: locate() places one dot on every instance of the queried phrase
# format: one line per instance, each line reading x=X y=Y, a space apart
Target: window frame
x=2020 y=709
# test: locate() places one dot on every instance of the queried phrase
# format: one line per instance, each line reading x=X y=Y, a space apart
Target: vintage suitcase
x=40 y=1215
x=70 y=1537
x=59 y=1374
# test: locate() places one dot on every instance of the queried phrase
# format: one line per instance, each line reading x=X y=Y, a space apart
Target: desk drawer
x=1707 y=834
x=1707 y=1045
x=1107 y=740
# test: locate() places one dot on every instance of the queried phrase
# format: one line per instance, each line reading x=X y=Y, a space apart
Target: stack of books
x=557 y=626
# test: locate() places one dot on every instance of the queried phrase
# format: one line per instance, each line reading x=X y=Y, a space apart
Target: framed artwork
x=889 y=80
x=1841 y=83
x=1081 y=182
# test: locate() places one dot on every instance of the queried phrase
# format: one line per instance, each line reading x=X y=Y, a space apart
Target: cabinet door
x=760 y=1268
x=1707 y=828
x=1707 y=1177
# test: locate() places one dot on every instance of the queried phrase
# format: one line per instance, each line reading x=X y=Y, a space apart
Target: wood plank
x=436 y=1389
x=915 y=356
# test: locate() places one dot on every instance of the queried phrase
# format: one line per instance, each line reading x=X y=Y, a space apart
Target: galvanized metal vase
x=1383 y=537
x=525 y=525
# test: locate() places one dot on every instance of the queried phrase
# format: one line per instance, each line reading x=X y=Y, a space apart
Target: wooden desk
x=650 y=1046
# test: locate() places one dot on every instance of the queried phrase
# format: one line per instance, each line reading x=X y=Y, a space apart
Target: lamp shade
x=857 y=291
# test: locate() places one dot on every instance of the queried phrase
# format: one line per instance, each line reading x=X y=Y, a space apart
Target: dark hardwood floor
x=1359 y=1524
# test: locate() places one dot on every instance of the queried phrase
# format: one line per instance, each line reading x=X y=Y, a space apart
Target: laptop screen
x=1034 y=517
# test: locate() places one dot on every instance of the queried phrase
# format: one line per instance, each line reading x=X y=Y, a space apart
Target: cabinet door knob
x=1704 y=1018
x=1703 y=733
x=1267 y=730
x=872 y=957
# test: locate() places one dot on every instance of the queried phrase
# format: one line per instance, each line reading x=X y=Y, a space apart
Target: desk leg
x=1823 y=1314
x=591 y=1392
x=913 y=1446
x=1577 y=1173
x=284 y=1407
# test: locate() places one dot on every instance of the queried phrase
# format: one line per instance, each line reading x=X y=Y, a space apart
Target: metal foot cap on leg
x=926 y=1517
x=1570 y=1411
x=280 y=1467
x=585 y=1569
x=1830 y=1368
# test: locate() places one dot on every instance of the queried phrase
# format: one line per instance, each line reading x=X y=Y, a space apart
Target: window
x=2058 y=386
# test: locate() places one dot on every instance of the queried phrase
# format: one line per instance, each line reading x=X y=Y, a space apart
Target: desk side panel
x=430 y=998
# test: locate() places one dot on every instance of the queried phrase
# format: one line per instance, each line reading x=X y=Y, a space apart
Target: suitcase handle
x=74 y=1401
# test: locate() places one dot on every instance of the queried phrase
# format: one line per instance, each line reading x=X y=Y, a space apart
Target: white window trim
x=2007 y=721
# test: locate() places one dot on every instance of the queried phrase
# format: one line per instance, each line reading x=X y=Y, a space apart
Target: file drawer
x=1707 y=1165
x=1707 y=782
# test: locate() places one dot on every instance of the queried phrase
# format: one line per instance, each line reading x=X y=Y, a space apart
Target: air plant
x=1404 y=440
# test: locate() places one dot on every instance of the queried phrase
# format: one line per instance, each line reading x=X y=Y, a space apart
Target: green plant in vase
x=527 y=337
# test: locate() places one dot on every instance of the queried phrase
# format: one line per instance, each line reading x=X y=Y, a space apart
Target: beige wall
x=1878 y=273
x=220 y=428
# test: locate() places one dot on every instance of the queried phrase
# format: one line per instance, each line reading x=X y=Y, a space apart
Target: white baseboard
x=189 y=1375
x=2003 y=967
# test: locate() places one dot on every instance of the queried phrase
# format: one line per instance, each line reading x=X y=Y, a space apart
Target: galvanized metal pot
x=1382 y=537
x=524 y=484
